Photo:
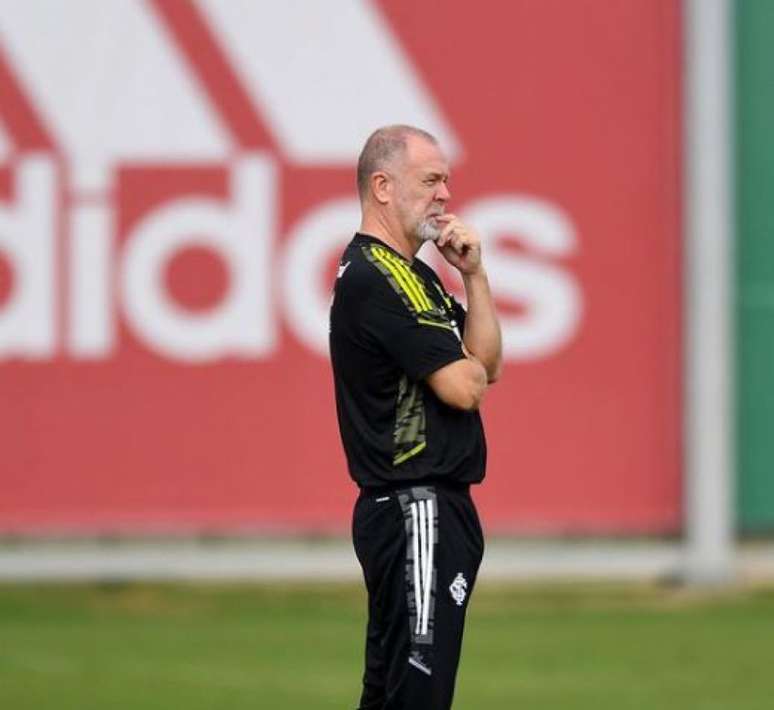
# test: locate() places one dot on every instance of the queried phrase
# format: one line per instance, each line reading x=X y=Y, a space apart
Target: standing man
x=411 y=368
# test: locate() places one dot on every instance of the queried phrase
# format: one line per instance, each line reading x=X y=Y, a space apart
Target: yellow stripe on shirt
x=413 y=280
x=400 y=278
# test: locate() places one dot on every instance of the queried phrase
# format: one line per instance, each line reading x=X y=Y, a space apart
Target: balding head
x=384 y=146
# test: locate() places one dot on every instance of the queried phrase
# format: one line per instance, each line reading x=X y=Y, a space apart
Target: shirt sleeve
x=419 y=345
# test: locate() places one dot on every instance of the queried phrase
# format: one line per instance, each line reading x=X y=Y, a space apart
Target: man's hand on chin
x=459 y=244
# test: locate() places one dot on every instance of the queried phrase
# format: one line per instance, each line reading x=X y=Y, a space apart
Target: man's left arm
x=461 y=247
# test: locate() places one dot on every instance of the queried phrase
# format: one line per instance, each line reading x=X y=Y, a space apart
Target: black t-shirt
x=393 y=324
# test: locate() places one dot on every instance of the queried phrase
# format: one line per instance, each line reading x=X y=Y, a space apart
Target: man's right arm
x=457 y=377
x=460 y=384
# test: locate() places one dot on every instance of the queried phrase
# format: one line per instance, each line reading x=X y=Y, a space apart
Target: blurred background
x=176 y=185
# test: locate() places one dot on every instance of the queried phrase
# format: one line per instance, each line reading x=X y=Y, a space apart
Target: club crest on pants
x=459 y=588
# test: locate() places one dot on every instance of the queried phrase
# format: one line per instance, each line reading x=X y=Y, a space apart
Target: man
x=410 y=369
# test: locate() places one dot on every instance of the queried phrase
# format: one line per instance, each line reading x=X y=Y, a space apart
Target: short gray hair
x=382 y=146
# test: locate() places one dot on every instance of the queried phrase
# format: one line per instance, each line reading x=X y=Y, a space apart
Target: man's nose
x=442 y=194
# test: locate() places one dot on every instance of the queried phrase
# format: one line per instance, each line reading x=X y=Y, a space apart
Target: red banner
x=168 y=238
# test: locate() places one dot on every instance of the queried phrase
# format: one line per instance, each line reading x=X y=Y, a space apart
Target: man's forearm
x=482 y=330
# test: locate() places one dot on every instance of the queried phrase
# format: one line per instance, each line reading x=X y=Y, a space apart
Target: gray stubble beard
x=427 y=231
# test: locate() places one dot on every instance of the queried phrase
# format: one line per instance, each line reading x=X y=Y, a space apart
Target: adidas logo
x=151 y=210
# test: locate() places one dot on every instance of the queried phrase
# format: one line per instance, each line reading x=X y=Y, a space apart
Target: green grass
x=191 y=647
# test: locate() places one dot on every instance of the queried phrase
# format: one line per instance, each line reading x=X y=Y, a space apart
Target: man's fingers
x=460 y=245
x=456 y=242
x=444 y=219
x=455 y=235
x=446 y=233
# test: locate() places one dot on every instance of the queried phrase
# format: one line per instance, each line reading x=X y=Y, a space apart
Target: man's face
x=421 y=191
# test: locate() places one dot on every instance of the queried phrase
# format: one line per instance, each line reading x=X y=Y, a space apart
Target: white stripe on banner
x=415 y=543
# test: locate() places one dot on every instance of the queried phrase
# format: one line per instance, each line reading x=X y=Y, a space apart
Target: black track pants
x=420 y=549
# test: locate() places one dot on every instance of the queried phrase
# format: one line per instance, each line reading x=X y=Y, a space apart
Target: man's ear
x=381 y=187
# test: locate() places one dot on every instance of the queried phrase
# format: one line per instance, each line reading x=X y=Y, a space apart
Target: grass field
x=191 y=647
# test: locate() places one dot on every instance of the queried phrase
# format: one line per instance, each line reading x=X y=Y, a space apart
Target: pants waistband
x=386 y=489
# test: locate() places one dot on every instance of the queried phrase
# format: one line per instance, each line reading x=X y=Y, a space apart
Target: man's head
x=402 y=179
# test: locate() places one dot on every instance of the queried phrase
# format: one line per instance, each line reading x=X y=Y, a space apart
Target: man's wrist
x=478 y=274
